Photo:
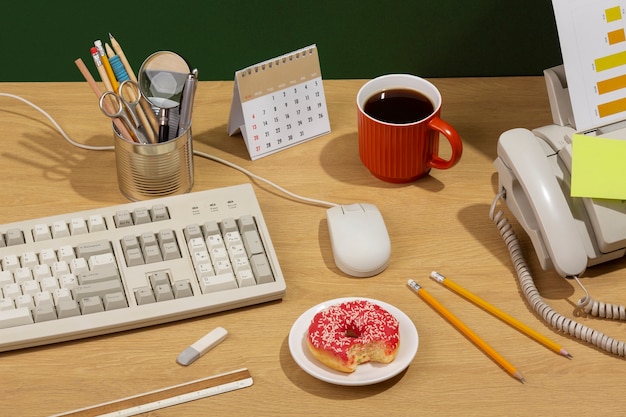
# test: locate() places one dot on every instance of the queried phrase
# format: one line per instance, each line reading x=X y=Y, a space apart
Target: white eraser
x=202 y=346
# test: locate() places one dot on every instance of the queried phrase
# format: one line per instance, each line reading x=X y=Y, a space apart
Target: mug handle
x=455 y=144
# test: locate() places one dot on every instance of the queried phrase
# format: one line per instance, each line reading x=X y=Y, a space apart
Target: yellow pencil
x=459 y=325
x=106 y=65
x=499 y=314
x=151 y=118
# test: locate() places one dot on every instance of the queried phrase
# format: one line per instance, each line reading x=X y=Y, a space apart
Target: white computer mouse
x=359 y=239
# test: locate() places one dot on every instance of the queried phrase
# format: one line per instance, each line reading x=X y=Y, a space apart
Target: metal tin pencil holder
x=147 y=171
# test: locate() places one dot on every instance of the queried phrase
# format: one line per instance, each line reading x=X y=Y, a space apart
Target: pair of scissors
x=124 y=106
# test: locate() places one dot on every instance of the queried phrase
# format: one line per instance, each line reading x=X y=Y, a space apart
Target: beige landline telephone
x=568 y=234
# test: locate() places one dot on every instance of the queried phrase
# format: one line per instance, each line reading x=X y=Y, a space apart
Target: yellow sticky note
x=598 y=167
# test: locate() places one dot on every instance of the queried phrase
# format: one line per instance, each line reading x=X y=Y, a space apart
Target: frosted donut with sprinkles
x=345 y=335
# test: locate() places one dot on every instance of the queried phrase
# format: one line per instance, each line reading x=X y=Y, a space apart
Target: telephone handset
x=568 y=234
x=528 y=171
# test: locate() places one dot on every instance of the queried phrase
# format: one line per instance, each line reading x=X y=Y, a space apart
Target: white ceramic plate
x=365 y=374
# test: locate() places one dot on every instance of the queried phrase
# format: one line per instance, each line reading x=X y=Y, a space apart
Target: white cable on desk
x=198 y=153
x=530 y=291
x=42 y=111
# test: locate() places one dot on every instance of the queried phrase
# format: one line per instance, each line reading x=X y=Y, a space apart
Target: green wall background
x=39 y=40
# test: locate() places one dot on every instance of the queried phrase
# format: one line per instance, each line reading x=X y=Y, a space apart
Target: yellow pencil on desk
x=446 y=282
x=462 y=327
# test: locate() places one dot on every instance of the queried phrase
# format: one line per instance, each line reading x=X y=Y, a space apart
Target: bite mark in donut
x=345 y=335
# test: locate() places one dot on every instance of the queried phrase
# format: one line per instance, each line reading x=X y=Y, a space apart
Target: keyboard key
x=218 y=283
x=105 y=261
x=89 y=249
x=192 y=231
x=211 y=228
x=133 y=257
x=68 y=281
x=141 y=215
x=222 y=267
x=170 y=251
x=29 y=259
x=114 y=301
x=78 y=226
x=6 y=304
x=159 y=213
x=10 y=263
x=49 y=284
x=14 y=237
x=6 y=277
x=25 y=300
x=60 y=268
x=147 y=239
x=246 y=223
x=67 y=308
x=261 y=268
x=163 y=292
x=96 y=223
x=44 y=312
x=12 y=290
x=41 y=232
x=43 y=298
x=228 y=225
x=159 y=278
x=61 y=294
x=130 y=242
x=60 y=229
x=182 y=289
x=41 y=271
x=252 y=242
x=123 y=218
x=66 y=253
x=245 y=278
x=22 y=274
x=144 y=295
x=30 y=287
x=152 y=254
x=166 y=236
x=47 y=256
x=15 y=317
x=92 y=277
x=90 y=305
x=78 y=266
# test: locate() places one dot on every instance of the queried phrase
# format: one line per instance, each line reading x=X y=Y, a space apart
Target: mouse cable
x=197 y=153
x=530 y=291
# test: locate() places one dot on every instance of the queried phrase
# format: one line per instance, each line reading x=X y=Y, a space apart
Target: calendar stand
x=279 y=103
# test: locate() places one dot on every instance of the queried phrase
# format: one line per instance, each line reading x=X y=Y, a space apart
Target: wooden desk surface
x=438 y=223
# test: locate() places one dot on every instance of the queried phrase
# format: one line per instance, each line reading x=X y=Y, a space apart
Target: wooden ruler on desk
x=166 y=397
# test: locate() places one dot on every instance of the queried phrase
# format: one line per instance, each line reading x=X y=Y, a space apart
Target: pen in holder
x=147 y=171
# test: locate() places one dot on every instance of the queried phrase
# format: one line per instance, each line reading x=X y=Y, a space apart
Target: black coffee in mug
x=399 y=106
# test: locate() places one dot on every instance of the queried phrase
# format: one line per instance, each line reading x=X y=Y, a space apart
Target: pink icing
x=337 y=328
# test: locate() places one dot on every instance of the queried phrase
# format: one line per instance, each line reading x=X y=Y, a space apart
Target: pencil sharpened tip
x=520 y=377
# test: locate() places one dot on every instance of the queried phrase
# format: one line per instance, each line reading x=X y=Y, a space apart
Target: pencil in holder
x=146 y=171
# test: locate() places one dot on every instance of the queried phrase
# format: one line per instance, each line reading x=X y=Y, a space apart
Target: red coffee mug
x=403 y=151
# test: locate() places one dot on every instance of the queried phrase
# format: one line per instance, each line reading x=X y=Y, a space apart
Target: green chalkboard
x=39 y=40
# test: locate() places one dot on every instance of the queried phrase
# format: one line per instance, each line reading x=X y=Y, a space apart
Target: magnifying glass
x=162 y=77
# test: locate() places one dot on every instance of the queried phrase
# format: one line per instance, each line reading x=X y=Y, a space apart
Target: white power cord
x=198 y=153
x=530 y=291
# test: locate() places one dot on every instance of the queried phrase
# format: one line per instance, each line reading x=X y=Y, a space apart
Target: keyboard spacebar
x=15 y=317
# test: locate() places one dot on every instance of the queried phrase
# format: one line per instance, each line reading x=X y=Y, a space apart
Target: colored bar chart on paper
x=592 y=34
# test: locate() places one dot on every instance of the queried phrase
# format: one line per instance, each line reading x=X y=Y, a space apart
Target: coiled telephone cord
x=549 y=315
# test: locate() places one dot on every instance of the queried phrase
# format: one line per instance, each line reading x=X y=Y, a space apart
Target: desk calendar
x=279 y=103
